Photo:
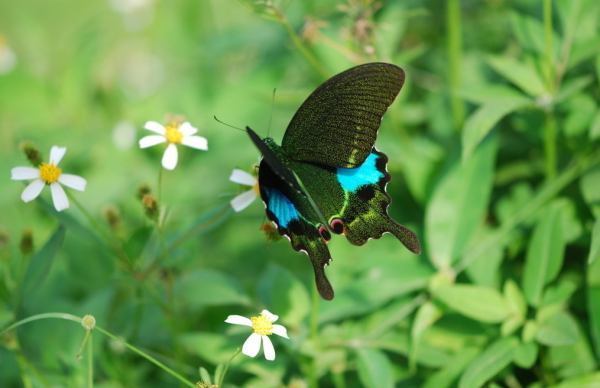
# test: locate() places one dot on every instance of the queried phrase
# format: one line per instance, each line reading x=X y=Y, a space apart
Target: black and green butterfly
x=327 y=176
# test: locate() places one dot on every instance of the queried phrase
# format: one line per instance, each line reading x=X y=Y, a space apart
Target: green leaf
x=571 y=360
x=559 y=329
x=571 y=87
x=205 y=287
x=41 y=263
x=526 y=354
x=561 y=292
x=514 y=299
x=544 y=255
x=137 y=242
x=445 y=376
x=595 y=244
x=374 y=368
x=481 y=122
x=214 y=348
x=593 y=307
x=486 y=93
x=588 y=185
x=284 y=293
x=458 y=205
x=480 y=303
x=588 y=381
x=204 y=375
x=391 y=279
x=528 y=31
x=595 y=127
x=582 y=109
x=493 y=359
x=521 y=74
x=426 y=316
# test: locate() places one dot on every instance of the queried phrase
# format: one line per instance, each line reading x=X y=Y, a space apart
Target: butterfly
x=326 y=176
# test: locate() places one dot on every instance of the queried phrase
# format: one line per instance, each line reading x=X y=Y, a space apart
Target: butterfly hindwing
x=354 y=200
x=364 y=214
x=294 y=219
x=337 y=124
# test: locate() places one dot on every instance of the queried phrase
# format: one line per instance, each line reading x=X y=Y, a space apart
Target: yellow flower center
x=173 y=134
x=262 y=325
x=256 y=188
x=49 y=172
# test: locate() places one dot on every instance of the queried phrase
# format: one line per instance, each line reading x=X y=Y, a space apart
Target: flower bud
x=32 y=154
x=270 y=231
x=88 y=322
x=26 y=244
x=150 y=206
x=4 y=237
x=112 y=216
x=143 y=190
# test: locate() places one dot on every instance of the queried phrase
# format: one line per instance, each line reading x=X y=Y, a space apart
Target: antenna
x=229 y=125
x=271 y=117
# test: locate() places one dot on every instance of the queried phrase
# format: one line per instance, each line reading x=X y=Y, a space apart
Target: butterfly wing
x=354 y=200
x=296 y=220
x=337 y=124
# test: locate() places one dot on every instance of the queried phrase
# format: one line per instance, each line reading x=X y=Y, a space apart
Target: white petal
x=268 y=348
x=243 y=200
x=242 y=177
x=56 y=154
x=238 y=320
x=252 y=345
x=280 y=331
x=197 y=142
x=169 y=160
x=155 y=127
x=59 y=197
x=32 y=190
x=73 y=181
x=270 y=316
x=23 y=173
x=151 y=140
x=187 y=129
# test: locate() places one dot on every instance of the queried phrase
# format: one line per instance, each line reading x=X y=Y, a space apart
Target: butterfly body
x=327 y=176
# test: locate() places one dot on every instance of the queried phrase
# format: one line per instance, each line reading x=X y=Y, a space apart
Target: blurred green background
x=493 y=147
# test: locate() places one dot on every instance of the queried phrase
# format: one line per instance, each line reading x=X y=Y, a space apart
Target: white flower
x=48 y=174
x=244 y=200
x=263 y=327
x=8 y=58
x=173 y=133
x=123 y=135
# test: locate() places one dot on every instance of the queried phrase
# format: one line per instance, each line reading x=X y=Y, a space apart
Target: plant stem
x=147 y=357
x=314 y=334
x=159 y=187
x=550 y=146
x=90 y=360
x=37 y=317
x=309 y=56
x=226 y=367
x=550 y=125
x=549 y=45
x=454 y=32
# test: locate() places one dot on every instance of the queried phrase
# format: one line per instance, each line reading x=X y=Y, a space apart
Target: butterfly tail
x=320 y=257
x=406 y=236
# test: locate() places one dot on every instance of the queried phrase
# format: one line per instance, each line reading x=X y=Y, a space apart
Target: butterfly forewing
x=337 y=124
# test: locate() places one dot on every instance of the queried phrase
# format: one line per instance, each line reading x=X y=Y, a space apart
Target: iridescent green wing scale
x=337 y=124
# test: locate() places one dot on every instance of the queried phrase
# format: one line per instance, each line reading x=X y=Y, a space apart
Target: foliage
x=493 y=147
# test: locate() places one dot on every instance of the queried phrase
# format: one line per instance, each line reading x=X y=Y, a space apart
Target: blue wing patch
x=281 y=207
x=367 y=173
